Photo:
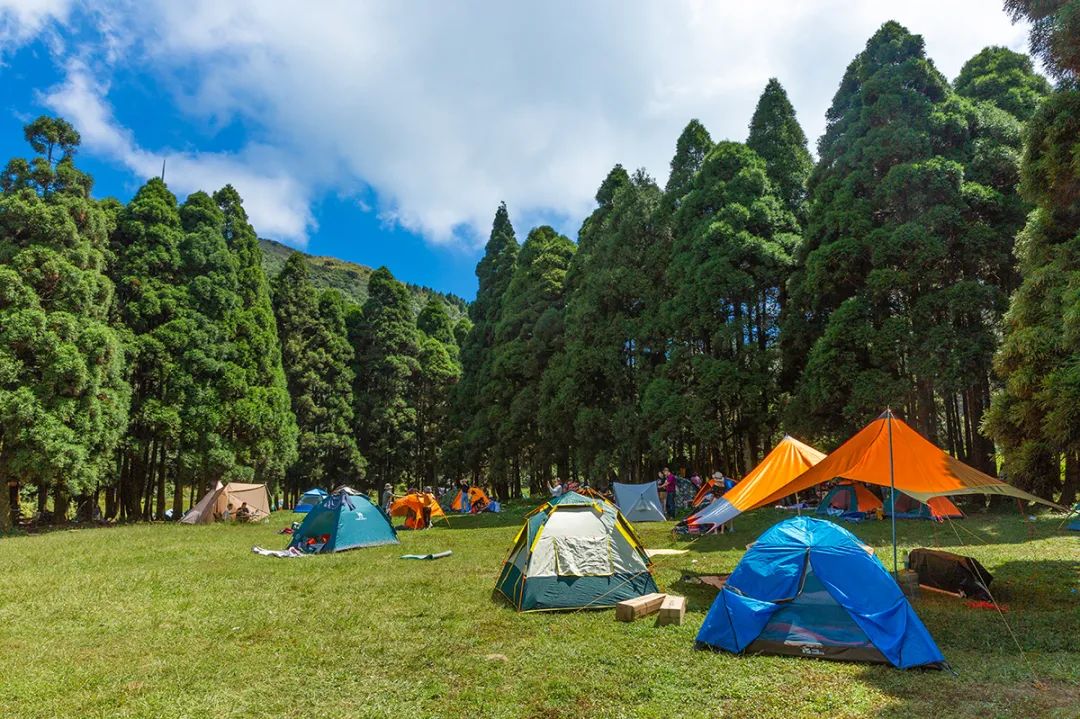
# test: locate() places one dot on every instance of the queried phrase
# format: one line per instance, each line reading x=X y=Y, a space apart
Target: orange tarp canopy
x=785 y=462
x=705 y=489
x=921 y=469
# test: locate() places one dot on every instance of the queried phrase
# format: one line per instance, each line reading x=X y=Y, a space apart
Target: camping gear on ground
x=574 y=552
x=639 y=502
x=215 y=503
x=437 y=555
x=849 y=500
x=758 y=488
x=907 y=507
x=420 y=510
x=950 y=572
x=808 y=587
x=479 y=501
x=343 y=521
x=1074 y=525
x=665 y=552
x=289 y=553
x=309 y=499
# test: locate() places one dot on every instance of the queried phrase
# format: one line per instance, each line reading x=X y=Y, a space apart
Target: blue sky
x=387 y=133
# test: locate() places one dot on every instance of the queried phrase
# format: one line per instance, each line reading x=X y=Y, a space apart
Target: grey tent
x=639 y=502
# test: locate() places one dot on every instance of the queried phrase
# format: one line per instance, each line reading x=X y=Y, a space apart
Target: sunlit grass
x=178 y=621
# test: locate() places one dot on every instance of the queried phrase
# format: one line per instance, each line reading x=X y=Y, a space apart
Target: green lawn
x=178 y=621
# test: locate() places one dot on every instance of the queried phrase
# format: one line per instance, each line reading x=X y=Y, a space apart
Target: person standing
x=387 y=498
x=671 y=484
x=555 y=487
x=466 y=501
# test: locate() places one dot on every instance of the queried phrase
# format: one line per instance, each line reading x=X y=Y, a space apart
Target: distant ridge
x=349 y=278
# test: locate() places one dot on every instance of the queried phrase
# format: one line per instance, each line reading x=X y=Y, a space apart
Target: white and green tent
x=575 y=552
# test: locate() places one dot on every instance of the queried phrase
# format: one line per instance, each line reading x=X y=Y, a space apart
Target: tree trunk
x=6 y=518
x=60 y=505
x=1072 y=479
x=159 y=510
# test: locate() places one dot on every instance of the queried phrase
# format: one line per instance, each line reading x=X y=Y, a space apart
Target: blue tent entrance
x=309 y=500
x=343 y=521
x=809 y=588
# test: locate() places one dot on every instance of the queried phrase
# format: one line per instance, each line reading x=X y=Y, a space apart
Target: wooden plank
x=672 y=610
x=630 y=609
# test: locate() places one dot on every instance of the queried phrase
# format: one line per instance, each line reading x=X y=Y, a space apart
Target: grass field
x=179 y=621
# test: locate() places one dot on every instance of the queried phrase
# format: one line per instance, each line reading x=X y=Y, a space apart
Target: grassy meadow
x=178 y=621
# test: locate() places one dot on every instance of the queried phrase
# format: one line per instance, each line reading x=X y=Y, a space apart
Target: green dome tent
x=575 y=552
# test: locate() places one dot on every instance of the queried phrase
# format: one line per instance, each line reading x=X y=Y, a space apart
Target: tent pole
x=892 y=494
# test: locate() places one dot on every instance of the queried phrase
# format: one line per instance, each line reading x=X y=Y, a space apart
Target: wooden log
x=672 y=610
x=630 y=609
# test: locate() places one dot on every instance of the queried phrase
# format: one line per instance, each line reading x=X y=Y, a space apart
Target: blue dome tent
x=310 y=500
x=343 y=521
x=809 y=588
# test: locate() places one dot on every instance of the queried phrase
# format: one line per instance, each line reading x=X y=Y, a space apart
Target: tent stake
x=892 y=494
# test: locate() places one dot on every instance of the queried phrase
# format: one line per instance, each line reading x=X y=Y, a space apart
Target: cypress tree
x=387 y=359
x=471 y=405
x=776 y=136
x=317 y=357
x=1004 y=78
x=63 y=395
x=592 y=390
x=693 y=145
x=1033 y=418
x=262 y=426
x=154 y=308
x=905 y=265
x=528 y=335
x=732 y=247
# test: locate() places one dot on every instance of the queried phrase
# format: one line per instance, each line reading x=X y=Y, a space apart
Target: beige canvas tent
x=212 y=506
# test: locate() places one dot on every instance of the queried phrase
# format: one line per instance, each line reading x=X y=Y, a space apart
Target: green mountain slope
x=348 y=278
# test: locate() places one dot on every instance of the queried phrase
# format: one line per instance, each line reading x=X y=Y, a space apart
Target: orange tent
x=478 y=500
x=918 y=468
x=850 y=497
x=785 y=462
x=413 y=507
x=707 y=487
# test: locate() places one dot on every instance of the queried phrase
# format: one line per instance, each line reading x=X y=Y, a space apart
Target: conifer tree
x=591 y=393
x=388 y=369
x=154 y=308
x=905 y=265
x=63 y=395
x=528 y=335
x=317 y=357
x=776 y=136
x=1033 y=418
x=471 y=406
x=262 y=426
x=731 y=252
x=1004 y=78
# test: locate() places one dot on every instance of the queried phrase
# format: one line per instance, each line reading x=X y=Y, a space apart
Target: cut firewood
x=672 y=610
x=630 y=609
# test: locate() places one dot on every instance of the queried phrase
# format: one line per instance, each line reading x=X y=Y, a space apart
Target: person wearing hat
x=387 y=497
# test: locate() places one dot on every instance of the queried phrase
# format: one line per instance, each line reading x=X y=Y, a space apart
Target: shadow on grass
x=927 y=693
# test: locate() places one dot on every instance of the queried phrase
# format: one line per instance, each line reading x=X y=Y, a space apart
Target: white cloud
x=275 y=200
x=444 y=109
x=21 y=20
